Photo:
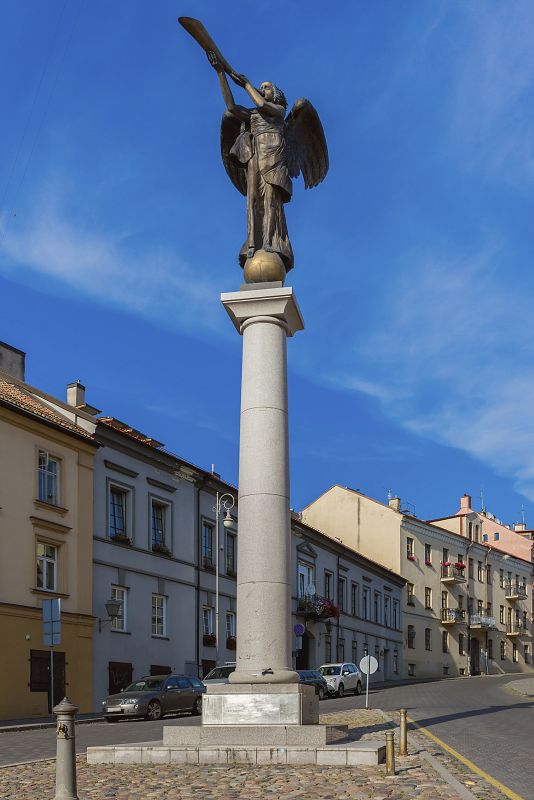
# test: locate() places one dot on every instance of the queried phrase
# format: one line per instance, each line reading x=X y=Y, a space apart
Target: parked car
x=342 y=678
x=312 y=677
x=219 y=674
x=154 y=696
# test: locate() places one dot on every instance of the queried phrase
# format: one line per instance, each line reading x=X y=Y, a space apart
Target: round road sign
x=298 y=629
x=368 y=665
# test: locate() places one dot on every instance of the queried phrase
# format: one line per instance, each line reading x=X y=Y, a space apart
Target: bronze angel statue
x=262 y=150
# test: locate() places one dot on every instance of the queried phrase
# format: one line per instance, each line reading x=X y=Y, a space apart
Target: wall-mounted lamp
x=113 y=609
x=328 y=626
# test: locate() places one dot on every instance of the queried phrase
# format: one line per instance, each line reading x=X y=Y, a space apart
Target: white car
x=219 y=674
x=342 y=678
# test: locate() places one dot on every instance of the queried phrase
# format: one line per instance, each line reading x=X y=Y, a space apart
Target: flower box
x=159 y=547
x=209 y=640
x=121 y=539
x=459 y=565
x=315 y=607
x=231 y=643
x=428 y=563
x=411 y=557
x=446 y=564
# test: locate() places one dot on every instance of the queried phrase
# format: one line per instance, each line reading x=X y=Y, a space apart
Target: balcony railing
x=452 y=574
x=515 y=591
x=482 y=621
x=452 y=616
x=516 y=628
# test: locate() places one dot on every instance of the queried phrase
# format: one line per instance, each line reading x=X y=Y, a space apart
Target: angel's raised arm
x=238 y=111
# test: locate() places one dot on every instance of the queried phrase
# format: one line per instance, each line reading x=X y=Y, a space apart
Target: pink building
x=483 y=527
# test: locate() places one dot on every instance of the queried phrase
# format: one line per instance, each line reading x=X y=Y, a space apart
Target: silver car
x=219 y=674
x=154 y=696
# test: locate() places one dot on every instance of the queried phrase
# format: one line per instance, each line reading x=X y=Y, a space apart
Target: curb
x=35 y=726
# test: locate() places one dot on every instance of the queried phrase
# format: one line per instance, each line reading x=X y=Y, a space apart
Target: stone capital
x=279 y=303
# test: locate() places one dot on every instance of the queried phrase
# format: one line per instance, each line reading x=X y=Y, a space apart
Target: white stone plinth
x=260 y=704
x=265 y=318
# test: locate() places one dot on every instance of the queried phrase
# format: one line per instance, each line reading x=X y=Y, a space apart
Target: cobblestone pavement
x=415 y=780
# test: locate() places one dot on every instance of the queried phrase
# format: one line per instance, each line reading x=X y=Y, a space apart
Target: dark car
x=311 y=677
x=155 y=695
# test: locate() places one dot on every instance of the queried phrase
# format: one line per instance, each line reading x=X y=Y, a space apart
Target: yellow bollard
x=403 y=737
x=390 y=753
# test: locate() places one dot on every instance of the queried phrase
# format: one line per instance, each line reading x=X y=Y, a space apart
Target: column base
x=260 y=704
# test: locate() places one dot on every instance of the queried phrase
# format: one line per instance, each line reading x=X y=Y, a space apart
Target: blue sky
x=414 y=260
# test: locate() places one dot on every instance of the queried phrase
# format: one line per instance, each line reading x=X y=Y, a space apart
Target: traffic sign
x=298 y=629
x=368 y=665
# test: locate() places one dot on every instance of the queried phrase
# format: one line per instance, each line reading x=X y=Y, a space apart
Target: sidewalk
x=34 y=723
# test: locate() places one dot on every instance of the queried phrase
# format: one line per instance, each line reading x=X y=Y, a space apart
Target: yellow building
x=46 y=530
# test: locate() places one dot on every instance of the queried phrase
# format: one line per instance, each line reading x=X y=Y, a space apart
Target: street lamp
x=113 y=609
x=225 y=502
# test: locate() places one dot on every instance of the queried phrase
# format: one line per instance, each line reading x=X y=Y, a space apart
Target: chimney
x=76 y=394
x=394 y=503
x=520 y=526
x=465 y=502
x=12 y=361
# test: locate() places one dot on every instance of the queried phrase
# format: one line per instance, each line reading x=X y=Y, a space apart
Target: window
x=207 y=545
x=428 y=597
x=158 y=523
x=410 y=594
x=341 y=593
x=461 y=646
x=328 y=585
x=117 y=513
x=428 y=634
x=496 y=536
x=328 y=649
x=470 y=531
x=159 y=621
x=119 y=622
x=48 y=478
x=207 y=620
x=377 y=607
x=445 y=555
x=366 y=597
x=501 y=578
x=409 y=549
x=355 y=599
x=488 y=573
x=396 y=615
x=230 y=625
x=470 y=602
x=411 y=670
x=514 y=653
x=480 y=607
x=490 y=648
x=411 y=637
x=527 y=653
x=387 y=611
x=485 y=537
x=47 y=566
x=471 y=568
x=445 y=670
x=354 y=654
x=489 y=609
x=306 y=579
x=341 y=650
x=230 y=554
x=480 y=572
x=501 y=615
x=445 y=641
x=503 y=651
x=444 y=599
x=428 y=554
x=460 y=601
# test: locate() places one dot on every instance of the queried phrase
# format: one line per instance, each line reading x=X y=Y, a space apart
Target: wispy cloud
x=153 y=283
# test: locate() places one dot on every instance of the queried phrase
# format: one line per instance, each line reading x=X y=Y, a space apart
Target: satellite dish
x=310 y=589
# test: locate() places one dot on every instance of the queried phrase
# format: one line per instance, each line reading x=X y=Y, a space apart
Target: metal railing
x=516 y=628
x=481 y=621
x=451 y=572
x=515 y=590
x=452 y=615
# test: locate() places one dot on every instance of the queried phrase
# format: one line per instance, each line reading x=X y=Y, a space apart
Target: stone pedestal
x=264 y=318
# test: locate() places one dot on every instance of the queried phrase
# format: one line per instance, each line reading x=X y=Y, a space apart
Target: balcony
x=515 y=591
x=452 y=616
x=450 y=574
x=482 y=622
x=516 y=630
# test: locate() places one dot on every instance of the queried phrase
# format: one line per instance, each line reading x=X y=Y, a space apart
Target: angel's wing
x=230 y=131
x=306 y=144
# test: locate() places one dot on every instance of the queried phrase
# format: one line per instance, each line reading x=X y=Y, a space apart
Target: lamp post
x=224 y=502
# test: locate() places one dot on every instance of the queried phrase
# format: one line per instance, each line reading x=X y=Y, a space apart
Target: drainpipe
x=490 y=548
x=338 y=603
x=468 y=649
x=198 y=487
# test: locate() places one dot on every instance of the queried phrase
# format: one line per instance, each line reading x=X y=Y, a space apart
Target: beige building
x=46 y=530
x=466 y=605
